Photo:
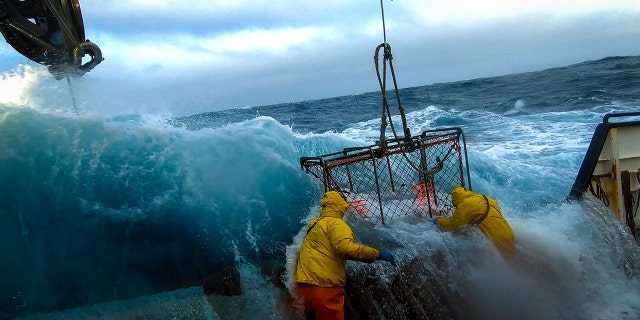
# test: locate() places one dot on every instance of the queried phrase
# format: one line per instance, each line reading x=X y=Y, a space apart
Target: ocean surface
x=98 y=208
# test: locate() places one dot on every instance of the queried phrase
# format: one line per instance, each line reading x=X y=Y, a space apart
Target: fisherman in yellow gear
x=477 y=209
x=320 y=273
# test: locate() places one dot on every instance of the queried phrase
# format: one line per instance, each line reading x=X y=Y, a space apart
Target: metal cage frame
x=412 y=176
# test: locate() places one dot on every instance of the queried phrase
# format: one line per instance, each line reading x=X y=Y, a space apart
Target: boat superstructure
x=611 y=167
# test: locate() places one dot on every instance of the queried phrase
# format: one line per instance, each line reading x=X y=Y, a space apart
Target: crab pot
x=411 y=176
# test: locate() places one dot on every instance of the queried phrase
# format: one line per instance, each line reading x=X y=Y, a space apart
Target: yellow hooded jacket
x=470 y=207
x=328 y=244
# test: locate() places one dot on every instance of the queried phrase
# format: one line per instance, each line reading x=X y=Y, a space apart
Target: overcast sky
x=205 y=55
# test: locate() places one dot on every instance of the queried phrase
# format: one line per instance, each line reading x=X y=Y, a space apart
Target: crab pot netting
x=412 y=177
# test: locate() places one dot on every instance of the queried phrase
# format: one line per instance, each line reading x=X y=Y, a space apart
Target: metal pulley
x=51 y=33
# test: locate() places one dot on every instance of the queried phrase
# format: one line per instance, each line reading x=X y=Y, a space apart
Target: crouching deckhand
x=482 y=211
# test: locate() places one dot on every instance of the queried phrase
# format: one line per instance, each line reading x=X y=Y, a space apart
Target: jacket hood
x=458 y=194
x=333 y=205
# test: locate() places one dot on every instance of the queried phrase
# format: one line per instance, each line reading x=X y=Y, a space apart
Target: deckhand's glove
x=387 y=256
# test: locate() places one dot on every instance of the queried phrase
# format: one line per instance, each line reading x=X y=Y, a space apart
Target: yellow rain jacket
x=470 y=207
x=328 y=245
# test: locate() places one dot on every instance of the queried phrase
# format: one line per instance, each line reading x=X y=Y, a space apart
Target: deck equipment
x=51 y=33
x=382 y=184
x=400 y=176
